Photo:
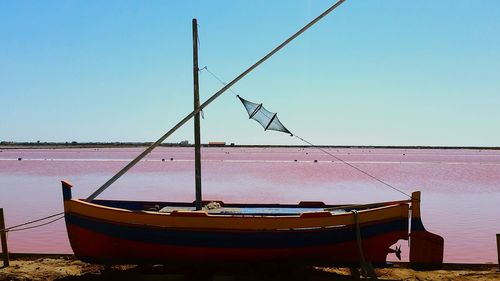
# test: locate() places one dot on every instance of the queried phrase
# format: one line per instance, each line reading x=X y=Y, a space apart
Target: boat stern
x=426 y=248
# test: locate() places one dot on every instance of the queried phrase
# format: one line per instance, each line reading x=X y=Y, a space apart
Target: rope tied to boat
x=16 y=227
x=356 y=168
x=366 y=268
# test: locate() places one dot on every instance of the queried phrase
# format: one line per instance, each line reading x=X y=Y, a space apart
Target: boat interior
x=221 y=208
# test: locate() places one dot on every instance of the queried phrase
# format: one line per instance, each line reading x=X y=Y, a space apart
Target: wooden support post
x=498 y=250
x=3 y=237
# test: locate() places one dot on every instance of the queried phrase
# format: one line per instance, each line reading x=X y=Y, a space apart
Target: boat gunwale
x=301 y=204
x=203 y=220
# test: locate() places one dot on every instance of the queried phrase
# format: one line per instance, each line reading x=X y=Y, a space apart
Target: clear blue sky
x=378 y=72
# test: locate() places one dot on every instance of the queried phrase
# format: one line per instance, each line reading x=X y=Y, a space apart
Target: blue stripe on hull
x=236 y=239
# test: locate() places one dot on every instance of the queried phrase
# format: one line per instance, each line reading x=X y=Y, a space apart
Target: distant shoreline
x=65 y=145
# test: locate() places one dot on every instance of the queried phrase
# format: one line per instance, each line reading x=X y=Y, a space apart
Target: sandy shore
x=67 y=268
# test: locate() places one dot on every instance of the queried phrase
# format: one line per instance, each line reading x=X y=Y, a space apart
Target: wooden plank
x=3 y=237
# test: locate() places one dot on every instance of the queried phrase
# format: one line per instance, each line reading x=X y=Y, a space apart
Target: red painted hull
x=96 y=247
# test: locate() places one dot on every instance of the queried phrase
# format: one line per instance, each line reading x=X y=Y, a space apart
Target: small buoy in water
x=19 y=158
x=171 y=159
x=163 y=160
x=404 y=153
x=315 y=161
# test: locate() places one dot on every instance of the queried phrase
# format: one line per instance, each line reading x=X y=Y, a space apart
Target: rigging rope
x=13 y=228
x=216 y=77
x=354 y=167
x=198 y=36
x=322 y=149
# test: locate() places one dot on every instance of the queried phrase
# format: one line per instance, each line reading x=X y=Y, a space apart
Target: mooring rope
x=366 y=267
x=321 y=149
x=16 y=227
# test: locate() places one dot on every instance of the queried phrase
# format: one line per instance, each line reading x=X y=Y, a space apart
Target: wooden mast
x=197 y=152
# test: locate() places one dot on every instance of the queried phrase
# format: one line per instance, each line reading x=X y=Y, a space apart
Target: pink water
x=460 y=188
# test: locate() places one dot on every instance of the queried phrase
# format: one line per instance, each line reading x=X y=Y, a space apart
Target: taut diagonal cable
x=354 y=167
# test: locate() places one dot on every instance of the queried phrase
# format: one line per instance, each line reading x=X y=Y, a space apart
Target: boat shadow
x=171 y=273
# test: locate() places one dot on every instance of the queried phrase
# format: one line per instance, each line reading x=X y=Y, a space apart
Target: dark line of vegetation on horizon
x=74 y=144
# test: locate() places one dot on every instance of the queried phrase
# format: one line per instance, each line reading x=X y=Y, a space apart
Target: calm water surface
x=460 y=188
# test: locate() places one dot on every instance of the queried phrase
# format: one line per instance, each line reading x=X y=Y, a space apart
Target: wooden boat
x=107 y=231
x=111 y=231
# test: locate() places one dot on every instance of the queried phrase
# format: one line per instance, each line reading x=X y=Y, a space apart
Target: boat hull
x=103 y=234
x=98 y=246
x=106 y=231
